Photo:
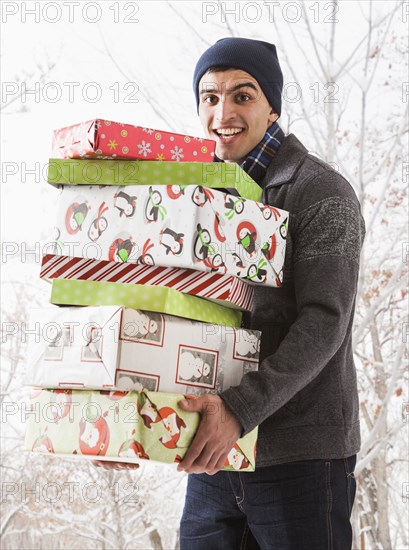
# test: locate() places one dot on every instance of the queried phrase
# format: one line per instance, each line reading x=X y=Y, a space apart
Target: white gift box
x=187 y=227
x=117 y=348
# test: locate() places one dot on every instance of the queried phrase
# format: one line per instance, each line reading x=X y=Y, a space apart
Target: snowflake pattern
x=144 y=148
x=177 y=153
x=85 y=140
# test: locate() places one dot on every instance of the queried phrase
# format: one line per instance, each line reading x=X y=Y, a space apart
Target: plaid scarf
x=260 y=157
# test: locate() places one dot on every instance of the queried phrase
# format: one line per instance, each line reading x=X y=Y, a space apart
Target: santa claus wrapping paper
x=120 y=426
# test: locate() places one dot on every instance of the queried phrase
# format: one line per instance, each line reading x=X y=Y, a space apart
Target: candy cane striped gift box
x=223 y=289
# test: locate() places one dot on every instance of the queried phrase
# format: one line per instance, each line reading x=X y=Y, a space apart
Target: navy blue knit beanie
x=256 y=57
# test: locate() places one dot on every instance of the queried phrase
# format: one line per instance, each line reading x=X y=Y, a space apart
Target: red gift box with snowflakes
x=105 y=139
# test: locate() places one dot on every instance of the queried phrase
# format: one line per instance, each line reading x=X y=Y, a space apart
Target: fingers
x=221 y=462
x=195 y=449
x=108 y=465
x=192 y=454
x=191 y=404
x=214 y=438
x=217 y=465
x=200 y=462
x=126 y=466
x=207 y=462
x=211 y=466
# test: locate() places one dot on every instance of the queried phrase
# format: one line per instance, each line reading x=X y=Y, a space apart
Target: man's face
x=234 y=112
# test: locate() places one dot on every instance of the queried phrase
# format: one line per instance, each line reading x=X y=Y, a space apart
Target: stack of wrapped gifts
x=163 y=247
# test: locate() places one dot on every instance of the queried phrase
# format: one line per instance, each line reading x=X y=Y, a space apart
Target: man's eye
x=210 y=99
x=243 y=97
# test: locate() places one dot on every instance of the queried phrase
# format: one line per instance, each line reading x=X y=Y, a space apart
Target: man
x=304 y=396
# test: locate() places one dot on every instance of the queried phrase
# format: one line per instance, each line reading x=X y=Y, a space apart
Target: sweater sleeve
x=327 y=238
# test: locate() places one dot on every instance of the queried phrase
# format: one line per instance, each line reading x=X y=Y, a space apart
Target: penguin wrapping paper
x=105 y=139
x=123 y=426
x=192 y=227
x=221 y=289
x=160 y=299
x=216 y=175
x=109 y=347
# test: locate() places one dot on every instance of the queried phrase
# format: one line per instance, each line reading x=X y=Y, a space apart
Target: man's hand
x=218 y=431
x=110 y=465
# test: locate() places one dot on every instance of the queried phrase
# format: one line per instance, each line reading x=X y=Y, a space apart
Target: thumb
x=190 y=404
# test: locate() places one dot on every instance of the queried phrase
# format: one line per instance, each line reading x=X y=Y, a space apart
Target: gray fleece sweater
x=304 y=396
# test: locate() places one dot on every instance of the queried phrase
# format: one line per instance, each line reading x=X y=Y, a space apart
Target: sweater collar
x=286 y=162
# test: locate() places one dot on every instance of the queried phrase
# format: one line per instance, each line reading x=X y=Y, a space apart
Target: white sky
x=158 y=53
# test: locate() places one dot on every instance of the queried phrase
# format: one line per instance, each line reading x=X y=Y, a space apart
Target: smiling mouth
x=228 y=134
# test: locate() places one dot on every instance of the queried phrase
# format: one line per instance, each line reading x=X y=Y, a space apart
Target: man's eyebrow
x=215 y=89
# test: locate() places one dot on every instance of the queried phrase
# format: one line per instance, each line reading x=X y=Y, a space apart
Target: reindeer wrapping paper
x=125 y=426
x=108 y=347
x=224 y=290
x=106 y=139
x=195 y=227
x=215 y=175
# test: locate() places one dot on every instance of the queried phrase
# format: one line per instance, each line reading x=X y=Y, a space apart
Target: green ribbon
x=161 y=299
x=215 y=175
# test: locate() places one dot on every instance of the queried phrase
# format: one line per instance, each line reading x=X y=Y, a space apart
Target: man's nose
x=226 y=110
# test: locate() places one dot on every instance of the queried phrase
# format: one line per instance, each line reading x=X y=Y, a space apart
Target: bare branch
x=380 y=421
x=314 y=43
x=188 y=24
x=374 y=306
x=155 y=107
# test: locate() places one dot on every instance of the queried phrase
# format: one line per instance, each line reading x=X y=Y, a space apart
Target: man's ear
x=273 y=116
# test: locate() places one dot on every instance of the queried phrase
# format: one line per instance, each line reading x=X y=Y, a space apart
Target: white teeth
x=228 y=131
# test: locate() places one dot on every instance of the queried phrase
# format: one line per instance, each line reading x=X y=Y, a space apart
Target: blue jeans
x=304 y=505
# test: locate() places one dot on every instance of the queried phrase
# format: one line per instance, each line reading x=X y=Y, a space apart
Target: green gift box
x=120 y=426
x=150 y=298
x=217 y=175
